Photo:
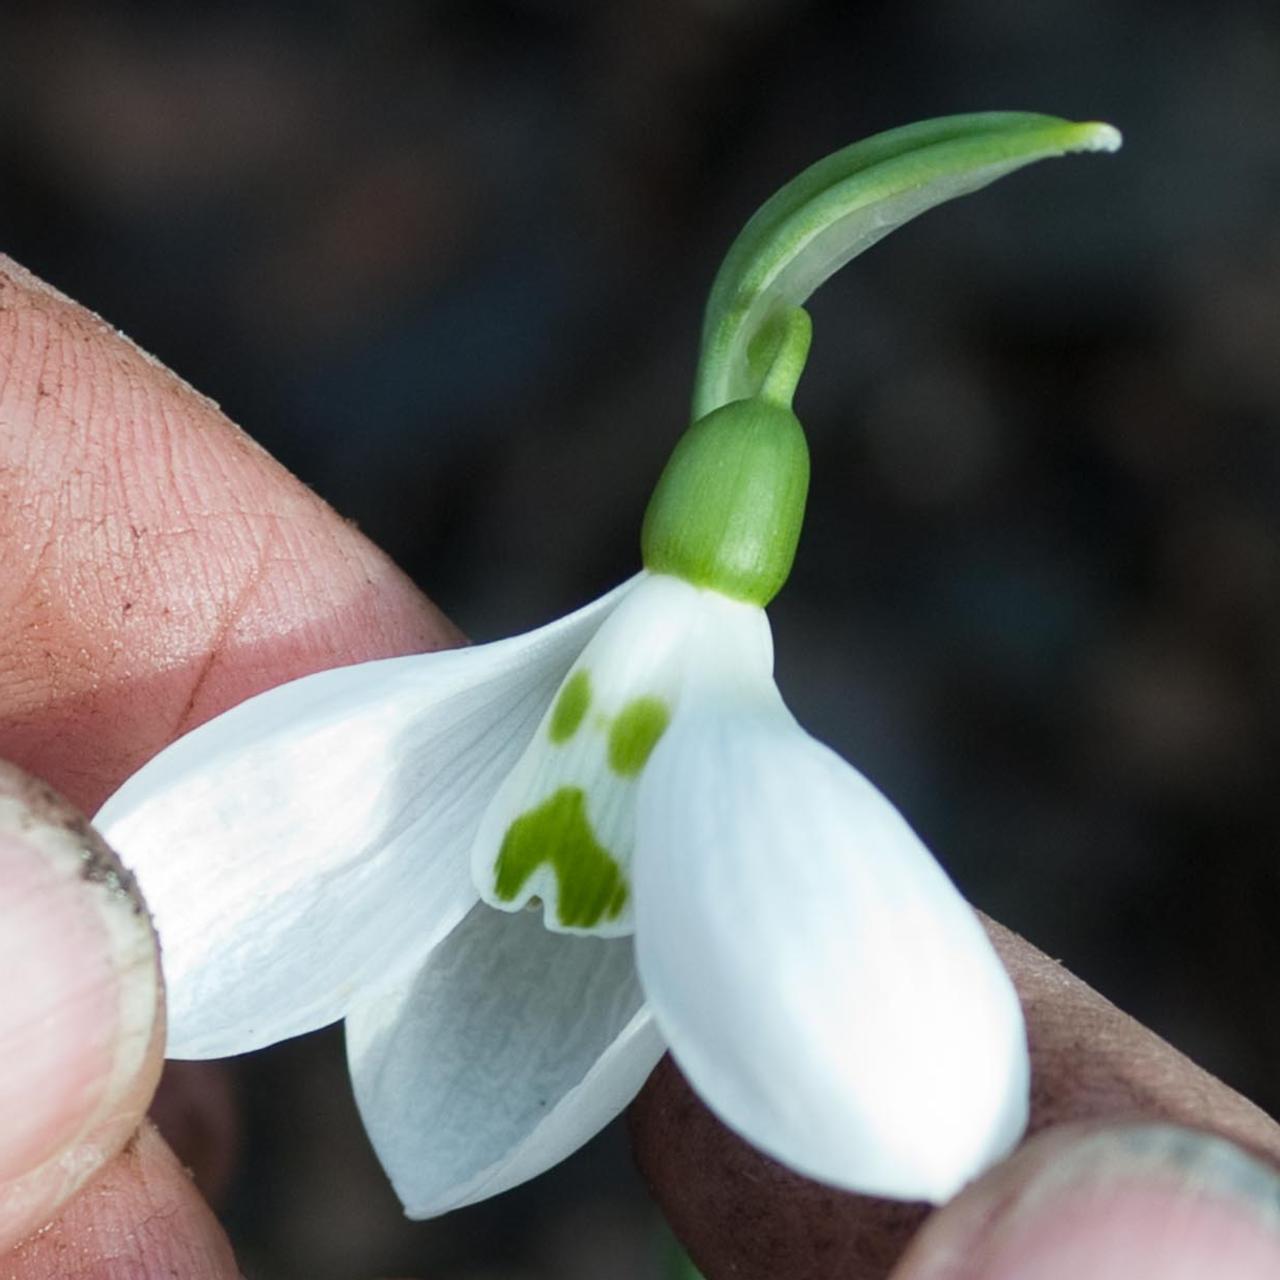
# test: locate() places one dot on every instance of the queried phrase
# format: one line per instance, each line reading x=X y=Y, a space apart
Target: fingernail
x=79 y=998
x=1122 y=1203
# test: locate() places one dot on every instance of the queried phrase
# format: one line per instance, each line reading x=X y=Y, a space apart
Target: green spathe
x=729 y=504
x=590 y=885
x=842 y=205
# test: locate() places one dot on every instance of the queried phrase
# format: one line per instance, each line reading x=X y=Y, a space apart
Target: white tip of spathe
x=1097 y=136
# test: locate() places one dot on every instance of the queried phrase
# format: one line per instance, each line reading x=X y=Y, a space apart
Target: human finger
x=141 y=1218
x=1110 y=1203
x=81 y=1025
x=159 y=566
x=741 y=1214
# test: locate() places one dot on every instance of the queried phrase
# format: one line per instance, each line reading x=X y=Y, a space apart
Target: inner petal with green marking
x=560 y=831
x=559 y=834
x=589 y=883
x=635 y=732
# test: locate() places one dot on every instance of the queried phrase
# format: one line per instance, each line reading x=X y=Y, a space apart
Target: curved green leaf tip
x=842 y=205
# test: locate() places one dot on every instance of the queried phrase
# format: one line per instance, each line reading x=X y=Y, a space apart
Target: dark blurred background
x=446 y=260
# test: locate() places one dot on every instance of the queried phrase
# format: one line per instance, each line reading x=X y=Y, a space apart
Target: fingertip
x=1110 y=1204
x=81 y=1032
x=141 y=1217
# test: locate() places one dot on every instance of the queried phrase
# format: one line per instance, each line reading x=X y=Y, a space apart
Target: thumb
x=1110 y=1203
x=81 y=1023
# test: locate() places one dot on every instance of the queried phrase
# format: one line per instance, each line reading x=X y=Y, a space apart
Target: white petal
x=511 y=1048
x=819 y=979
x=314 y=839
x=562 y=827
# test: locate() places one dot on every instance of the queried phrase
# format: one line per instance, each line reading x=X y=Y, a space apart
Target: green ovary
x=590 y=883
x=571 y=707
x=634 y=734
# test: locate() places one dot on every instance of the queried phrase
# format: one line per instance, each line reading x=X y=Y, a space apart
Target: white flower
x=335 y=848
x=704 y=875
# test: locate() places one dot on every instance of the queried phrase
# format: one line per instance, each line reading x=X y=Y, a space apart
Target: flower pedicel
x=520 y=871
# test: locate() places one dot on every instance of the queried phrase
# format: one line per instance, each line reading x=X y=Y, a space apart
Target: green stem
x=679 y=1266
x=788 y=336
x=832 y=212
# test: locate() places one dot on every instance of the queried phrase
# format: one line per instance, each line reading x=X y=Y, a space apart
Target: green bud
x=728 y=507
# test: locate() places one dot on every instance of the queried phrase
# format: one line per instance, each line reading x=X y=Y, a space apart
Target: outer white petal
x=314 y=839
x=511 y=1048
x=819 y=979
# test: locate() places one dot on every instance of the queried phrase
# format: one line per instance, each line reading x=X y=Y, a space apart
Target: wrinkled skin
x=159 y=568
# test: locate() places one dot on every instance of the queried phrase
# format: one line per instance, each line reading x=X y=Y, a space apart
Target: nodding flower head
x=520 y=871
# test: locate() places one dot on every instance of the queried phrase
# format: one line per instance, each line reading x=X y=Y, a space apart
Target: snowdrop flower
x=520 y=871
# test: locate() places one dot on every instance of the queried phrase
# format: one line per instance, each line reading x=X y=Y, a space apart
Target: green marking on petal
x=571 y=706
x=558 y=832
x=635 y=733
